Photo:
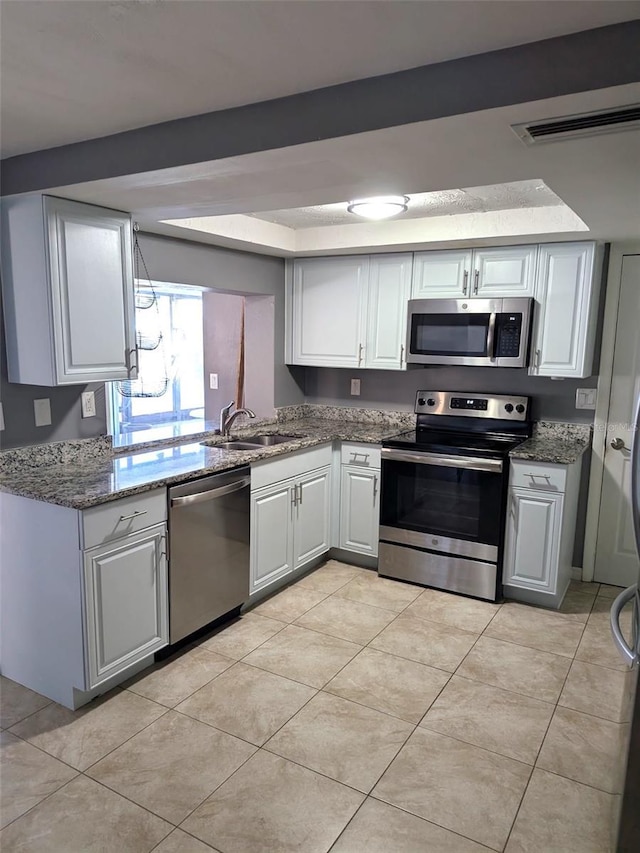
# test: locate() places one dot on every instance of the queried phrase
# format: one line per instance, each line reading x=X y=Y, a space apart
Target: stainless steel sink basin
x=270 y=440
x=231 y=445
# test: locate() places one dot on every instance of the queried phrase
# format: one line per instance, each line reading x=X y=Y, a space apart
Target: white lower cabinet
x=271 y=534
x=541 y=520
x=359 y=509
x=291 y=517
x=125 y=599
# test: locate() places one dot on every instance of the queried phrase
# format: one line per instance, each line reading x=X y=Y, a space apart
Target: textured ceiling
x=512 y=196
x=73 y=70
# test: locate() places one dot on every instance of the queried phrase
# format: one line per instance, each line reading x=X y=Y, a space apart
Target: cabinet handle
x=134 y=514
x=294 y=498
x=360 y=348
x=536 y=360
x=546 y=477
x=355 y=454
x=401 y=354
x=476 y=278
x=300 y=498
x=131 y=367
x=465 y=282
x=375 y=488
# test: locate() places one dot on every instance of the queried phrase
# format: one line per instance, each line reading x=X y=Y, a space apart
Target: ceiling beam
x=583 y=61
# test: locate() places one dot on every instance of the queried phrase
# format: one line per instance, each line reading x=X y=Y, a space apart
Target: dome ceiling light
x=380 y=207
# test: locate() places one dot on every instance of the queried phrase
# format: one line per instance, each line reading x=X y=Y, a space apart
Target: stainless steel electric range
x=444 y=492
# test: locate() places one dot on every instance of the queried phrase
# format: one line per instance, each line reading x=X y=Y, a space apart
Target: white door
x=272 y=514
x=441 y=275
x=312 y=527
x=616 y=556
x=125 y=590
x=389 y=289
x=329 y=311
x=359 y=510
x=533 y=539
x=509 y=271
x=565 y=311
x=92 y=291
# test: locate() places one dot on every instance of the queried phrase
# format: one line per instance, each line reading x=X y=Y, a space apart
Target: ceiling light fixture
x=380 y=207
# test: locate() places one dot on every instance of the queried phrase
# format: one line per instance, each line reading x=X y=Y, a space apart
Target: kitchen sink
x=269 y=440
x=231 y=445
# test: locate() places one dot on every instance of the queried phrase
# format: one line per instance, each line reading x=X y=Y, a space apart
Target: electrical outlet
x=355 y=387
x=1 y=417
x=88 y=404
x=586 y=398
x=42 y=411
x=213 y=381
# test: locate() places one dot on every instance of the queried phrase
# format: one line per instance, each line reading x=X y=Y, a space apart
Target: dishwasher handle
x=212 y=494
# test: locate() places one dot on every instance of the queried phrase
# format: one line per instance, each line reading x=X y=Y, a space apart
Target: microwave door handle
x=491 y=333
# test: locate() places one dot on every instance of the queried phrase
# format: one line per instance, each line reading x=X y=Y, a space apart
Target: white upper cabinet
x=484 y=273
x=328 y=311
x=567 y=290
x=441 y=275
x=504 y=272
x=350 y=311
x=68 y=288
x=389 y=290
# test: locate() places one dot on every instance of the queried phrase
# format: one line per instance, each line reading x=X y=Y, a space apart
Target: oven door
x=450 y=331
x=448 y=504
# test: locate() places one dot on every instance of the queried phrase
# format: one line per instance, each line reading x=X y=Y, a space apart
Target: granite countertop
x=557 y=443
x=90 y=480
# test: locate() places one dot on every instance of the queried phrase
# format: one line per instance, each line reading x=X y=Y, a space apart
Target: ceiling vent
x=577 y=126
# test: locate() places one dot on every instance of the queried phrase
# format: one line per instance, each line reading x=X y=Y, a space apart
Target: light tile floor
x=347 y=713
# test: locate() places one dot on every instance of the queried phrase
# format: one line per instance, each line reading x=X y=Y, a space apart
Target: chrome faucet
x=226 y=419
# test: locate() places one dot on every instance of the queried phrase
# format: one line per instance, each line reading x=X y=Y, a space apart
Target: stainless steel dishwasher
x=208 y=550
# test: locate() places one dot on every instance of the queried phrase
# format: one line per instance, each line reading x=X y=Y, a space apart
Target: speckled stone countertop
x=99 y=476
x=558 y=443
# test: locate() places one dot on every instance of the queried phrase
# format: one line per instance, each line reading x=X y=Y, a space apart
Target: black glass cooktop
x=455 y=443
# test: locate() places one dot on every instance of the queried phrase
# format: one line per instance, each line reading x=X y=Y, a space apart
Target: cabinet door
x=92 y=291
x=329 y=311
x=389 y=289
x=359 y=510
x=125 y=600
x=504 y=272
x=566 y=297
x=272 y=512
x=312 y=528
x=533 y=539
x=441 y=275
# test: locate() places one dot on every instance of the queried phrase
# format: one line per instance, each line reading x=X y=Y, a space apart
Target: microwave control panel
x=508 y=335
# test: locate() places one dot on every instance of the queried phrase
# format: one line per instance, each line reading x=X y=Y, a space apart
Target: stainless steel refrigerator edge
x=209 y=523
x=628 y=828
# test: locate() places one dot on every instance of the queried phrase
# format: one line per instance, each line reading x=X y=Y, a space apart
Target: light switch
x=586 y=398
x=88 y=404
x=213 y=381
x=355 y=387
x=42 y=411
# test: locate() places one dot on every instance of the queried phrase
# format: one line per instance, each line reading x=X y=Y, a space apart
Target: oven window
x=449 y=334
x=452 y=502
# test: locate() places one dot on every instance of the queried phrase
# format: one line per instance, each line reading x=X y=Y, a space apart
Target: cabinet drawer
x=120 y=518
x=543 y=476
x=269 y=471
x=362 y=455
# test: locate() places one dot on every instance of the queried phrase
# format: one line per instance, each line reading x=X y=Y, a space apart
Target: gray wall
x=386 y=389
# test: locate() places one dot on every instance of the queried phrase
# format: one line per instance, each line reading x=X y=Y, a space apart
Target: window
x=172 y=372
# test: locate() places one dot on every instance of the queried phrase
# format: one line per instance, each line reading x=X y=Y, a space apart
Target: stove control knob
x=508 y=407
x=519 y=408
x=421 y=401
x=431 y=402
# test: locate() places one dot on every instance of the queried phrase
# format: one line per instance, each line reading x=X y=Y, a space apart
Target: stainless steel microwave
x=476 y=332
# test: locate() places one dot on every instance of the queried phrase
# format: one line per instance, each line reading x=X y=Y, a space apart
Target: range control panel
x=496 y=406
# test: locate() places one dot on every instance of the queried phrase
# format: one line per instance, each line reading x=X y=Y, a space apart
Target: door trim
x=605 y=380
